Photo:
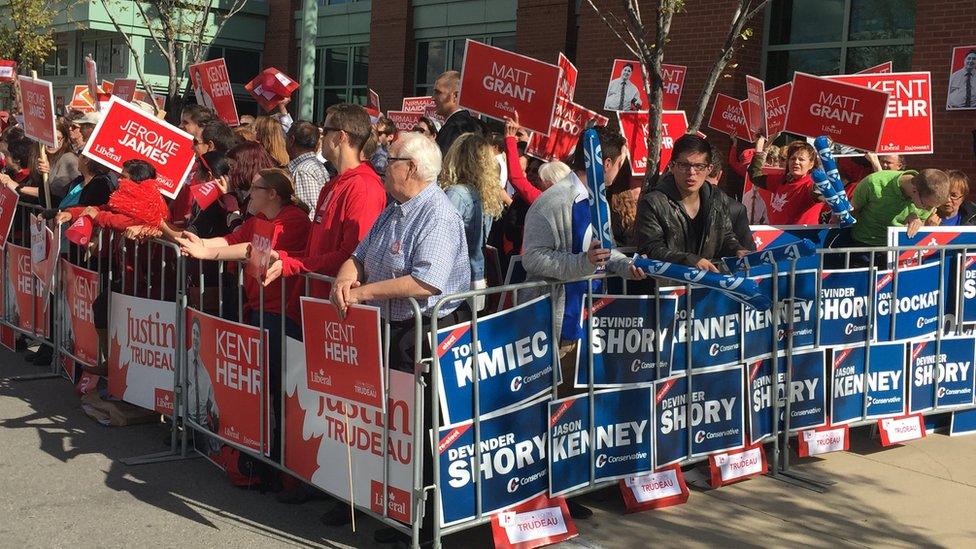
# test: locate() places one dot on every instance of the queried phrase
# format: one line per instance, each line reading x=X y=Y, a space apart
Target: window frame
x=425 y=89
x=349 y=88
x=844 y=44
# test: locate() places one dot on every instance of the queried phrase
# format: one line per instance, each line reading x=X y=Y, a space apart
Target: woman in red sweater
x=272 y=198
x=792 y=198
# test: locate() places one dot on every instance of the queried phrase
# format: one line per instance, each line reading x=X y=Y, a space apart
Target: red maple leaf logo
x=301 y=455
x=117 y=371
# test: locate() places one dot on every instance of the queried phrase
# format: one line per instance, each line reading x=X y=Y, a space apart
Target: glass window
x=431 y=62
x=504 y=42
x=120 y=56
x=806 y=21
x=877 y=31
x=360 y=65
x=57 y=63
x=340 y=76
x=859 y=59
x=87 y=49
x=242 y=65
x=154 y=63
x=336 y=69
x=882 y=19
x=103 y=56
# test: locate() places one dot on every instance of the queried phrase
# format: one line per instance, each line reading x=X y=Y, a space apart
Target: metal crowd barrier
x=163 y=260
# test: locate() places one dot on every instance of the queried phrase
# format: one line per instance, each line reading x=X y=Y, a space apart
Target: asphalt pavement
x=63 y=485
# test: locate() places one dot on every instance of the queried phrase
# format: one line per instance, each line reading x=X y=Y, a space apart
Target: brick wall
x=391 y=52
x=941 y=25
x=543 y=28
x=280 y=50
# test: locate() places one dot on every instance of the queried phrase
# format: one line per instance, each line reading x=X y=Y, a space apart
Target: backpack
x=243 y=470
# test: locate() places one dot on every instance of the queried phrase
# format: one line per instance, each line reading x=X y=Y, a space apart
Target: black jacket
x=662 y=228
x=458 y=123
x=967 y=213
x=740 y=221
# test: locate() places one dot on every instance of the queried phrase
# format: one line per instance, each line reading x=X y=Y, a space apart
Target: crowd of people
x=441 y=210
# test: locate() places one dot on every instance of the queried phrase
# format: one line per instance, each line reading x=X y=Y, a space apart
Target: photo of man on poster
x=202 y=405
x=622 y=93
x=203 y=98
x=962 y=79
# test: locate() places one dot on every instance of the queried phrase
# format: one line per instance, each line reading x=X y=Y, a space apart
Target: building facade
x=397 y=47
x=86 y=29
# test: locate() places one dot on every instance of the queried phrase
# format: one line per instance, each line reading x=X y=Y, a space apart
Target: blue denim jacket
x=476 y=225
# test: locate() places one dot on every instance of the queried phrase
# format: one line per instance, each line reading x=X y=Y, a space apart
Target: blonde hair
x=272 y=138
x=958 y=181
x=471 y=161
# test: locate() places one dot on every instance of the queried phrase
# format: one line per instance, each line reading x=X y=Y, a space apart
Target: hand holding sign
x=739 y=288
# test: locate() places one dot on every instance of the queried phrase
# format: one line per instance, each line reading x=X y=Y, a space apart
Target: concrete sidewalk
x=63 y=485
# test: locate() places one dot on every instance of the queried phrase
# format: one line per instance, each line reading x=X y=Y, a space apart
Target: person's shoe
x=44 y=356
x=389 y=535
x=294 y=496
x=30 y=355
x=339 y=515
x=578 y=511
x=20 y=345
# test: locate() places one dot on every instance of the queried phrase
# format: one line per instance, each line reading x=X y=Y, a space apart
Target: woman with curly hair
x=272 y=138
x=469 y=177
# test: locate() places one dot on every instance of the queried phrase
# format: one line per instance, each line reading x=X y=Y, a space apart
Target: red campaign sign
x=627 y=94
x=205 y=194
x=127 y=132
x=27 y=310
x=823 y=440
x=405 y=120
x=80 y=290
x=570 y=121
x=270 y=87
x=8 y=208
x=38 y=108
x=896 y=430
x=8 y=69
x=425 y=105
x=663 y=488
x=343 y=355
x=372 y=105
x=81 y=99
x=777 y=105
x=634 y=127
x=160 y=100
x=226 y=378
x=961 y=70
x=737 y=465
x=756 y=102
x=848 y=114
x=727 y=117
x=567 y=84
x=908 y=119
x=91 y=78
x=499 y=83
x=877 y=69
x=211 y=84
x=124 y=89
x=537 y=522
x=259 y=256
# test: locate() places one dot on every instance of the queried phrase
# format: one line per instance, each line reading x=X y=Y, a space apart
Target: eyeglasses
x=326 y=129
x=259 y=187
x=954 y=197
x=686 y=166
x=392 y=159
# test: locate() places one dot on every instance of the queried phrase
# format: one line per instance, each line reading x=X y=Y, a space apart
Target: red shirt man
x=347 y=205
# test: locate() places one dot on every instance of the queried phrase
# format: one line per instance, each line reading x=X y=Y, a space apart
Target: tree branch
x=631 y=48
x=135 y=57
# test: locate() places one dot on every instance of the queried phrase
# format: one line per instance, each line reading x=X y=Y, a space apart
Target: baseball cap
x=89 y=118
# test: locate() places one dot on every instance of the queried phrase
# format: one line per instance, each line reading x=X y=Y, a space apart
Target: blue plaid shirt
x=423 y=237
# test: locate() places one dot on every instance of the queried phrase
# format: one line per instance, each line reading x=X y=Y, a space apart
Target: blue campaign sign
x=844 y=307
x=514 y=360
x=758 y=326
x=963 y=422
x=916 y=303
x=808 y=398
x=967 y=282
x=622 y=434
x=925 y=245
x=954 y=374
x=512 y=456
x=599 y=207
x=626 y=339
x=885 y=381
x=768 y=236
x=715 y=331
x=717 y=416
